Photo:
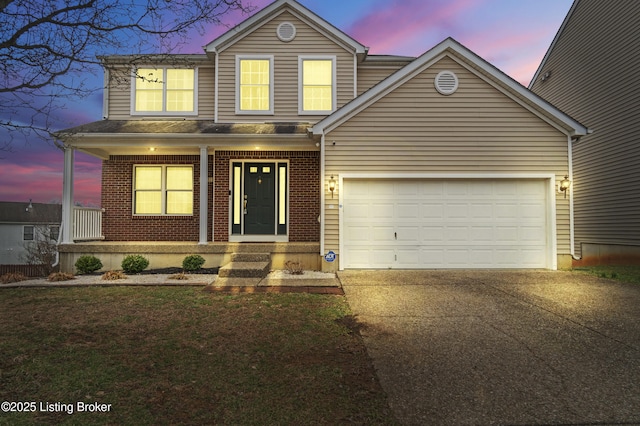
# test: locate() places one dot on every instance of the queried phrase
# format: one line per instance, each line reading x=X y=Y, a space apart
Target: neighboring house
x=591 y=72
x=26 y=223
x=285 y=136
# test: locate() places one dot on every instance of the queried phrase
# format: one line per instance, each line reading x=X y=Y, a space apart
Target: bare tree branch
x=49 y=48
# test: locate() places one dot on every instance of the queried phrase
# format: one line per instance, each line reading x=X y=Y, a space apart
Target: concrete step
x=235 y=282
x=244 y=270
x=250 y=257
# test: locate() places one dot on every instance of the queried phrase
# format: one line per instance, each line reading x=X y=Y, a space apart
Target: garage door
x=414 y=224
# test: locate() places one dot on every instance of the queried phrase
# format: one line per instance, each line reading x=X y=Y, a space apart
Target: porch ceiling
x=169 y=137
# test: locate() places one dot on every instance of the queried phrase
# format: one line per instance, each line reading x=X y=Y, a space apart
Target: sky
x=513 y=35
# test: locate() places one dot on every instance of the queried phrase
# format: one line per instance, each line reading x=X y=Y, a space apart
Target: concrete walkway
x=495 y=347
x=277 y=278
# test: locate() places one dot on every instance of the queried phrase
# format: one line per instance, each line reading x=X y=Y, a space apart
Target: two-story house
x=23 y=224
x=285 y=136
x=591 y=72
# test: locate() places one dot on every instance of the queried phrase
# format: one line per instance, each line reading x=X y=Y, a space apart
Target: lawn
x=630 y=274
x=165 y=355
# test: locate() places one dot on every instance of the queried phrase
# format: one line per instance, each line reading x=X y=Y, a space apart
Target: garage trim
x=552 y=244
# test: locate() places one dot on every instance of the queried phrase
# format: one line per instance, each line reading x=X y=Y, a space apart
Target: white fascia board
x=331 y=122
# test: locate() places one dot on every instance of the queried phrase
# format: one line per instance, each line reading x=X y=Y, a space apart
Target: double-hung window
x=254 y=85
x=28 y=233
x=164 y=91
x=317 y=88
x=163 y=190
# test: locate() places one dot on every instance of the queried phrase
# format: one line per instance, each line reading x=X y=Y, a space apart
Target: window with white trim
x=317 y=92
x=163 y=190
x=164 y=91
x=254 y=85
x=28 y=233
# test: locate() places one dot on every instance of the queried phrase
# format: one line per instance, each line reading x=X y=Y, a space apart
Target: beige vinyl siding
x=594 y=68
x=206 y=92
x=369 y=76
x=263 y=41
x=478 y=129
x=119 y=94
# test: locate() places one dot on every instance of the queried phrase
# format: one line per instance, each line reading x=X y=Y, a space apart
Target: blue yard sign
x=330 y=257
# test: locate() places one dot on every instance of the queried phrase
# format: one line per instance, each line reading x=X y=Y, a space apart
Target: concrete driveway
x=497 y=347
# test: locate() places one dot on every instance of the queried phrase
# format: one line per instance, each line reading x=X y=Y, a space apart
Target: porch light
x=332 y=185
x=152 y=149
x=564 y=185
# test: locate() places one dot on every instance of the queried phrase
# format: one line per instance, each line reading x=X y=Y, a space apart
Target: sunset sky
x=512 y=35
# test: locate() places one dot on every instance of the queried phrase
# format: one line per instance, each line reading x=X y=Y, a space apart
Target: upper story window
x=317 y=89
x=164 y=91
x=254 y=85
x=163 y=190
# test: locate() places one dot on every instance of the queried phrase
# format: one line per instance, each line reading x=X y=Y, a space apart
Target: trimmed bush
x=88 y=264
x=134 y=263
x=193 y=262
x=60 y=276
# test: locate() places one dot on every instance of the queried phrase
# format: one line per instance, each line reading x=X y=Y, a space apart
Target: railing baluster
x=87 y=224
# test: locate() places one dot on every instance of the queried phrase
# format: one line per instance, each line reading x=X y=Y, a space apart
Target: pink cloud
x=37 y=175
x=395 y=27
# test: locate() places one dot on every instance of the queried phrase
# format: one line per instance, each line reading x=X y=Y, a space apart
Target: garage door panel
x=432 y=211
x=357 y=211
x=445 y=224
x=381 y=234
x=408 y=210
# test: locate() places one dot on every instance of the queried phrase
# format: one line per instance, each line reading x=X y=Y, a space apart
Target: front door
x=259 y=198
x=259 y=207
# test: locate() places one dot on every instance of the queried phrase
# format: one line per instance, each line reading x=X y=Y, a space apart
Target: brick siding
x=304 y=191
x=119 y=223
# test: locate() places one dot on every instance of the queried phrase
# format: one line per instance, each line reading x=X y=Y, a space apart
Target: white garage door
x=474 y=223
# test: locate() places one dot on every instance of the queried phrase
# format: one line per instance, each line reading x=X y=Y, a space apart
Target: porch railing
x=87 y=224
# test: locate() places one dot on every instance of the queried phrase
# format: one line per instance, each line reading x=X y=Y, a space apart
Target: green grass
x=182 y=356
x=630 y=274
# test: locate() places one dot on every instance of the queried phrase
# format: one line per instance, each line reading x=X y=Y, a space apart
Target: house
x=25 y=223
x=285 y=136
x=591 y=72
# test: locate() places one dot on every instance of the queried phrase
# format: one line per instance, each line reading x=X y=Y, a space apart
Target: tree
x=47 y=47
x=42 y=252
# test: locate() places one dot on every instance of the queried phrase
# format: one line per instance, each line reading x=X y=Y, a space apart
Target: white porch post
x=204 y=193
x=67 y=196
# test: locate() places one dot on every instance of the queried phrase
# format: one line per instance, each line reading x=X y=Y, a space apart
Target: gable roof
x=273 y=10
x=30 y=213
x=477 y=65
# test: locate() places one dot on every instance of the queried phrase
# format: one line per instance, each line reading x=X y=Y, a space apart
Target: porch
x=171 y=254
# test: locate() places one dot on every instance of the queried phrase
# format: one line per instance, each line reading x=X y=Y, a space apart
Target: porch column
x=204 y=193
x=67 y=196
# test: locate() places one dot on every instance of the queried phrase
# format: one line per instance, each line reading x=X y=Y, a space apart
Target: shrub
x=193 y=262
x=60 y=276
x=114 y=275
x=134 y=263
x=88 y=264
x=12 y=277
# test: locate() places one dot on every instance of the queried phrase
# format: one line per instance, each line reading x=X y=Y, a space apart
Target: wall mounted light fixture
x=332 y=185
x=564 y=185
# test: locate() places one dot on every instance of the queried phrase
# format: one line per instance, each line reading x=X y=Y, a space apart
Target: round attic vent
x=286 y=31
x=446 y=82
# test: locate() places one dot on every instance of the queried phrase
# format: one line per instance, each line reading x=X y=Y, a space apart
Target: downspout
x=322 y=201
x=571 y=216
x=105 y=96
x=216 y=87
